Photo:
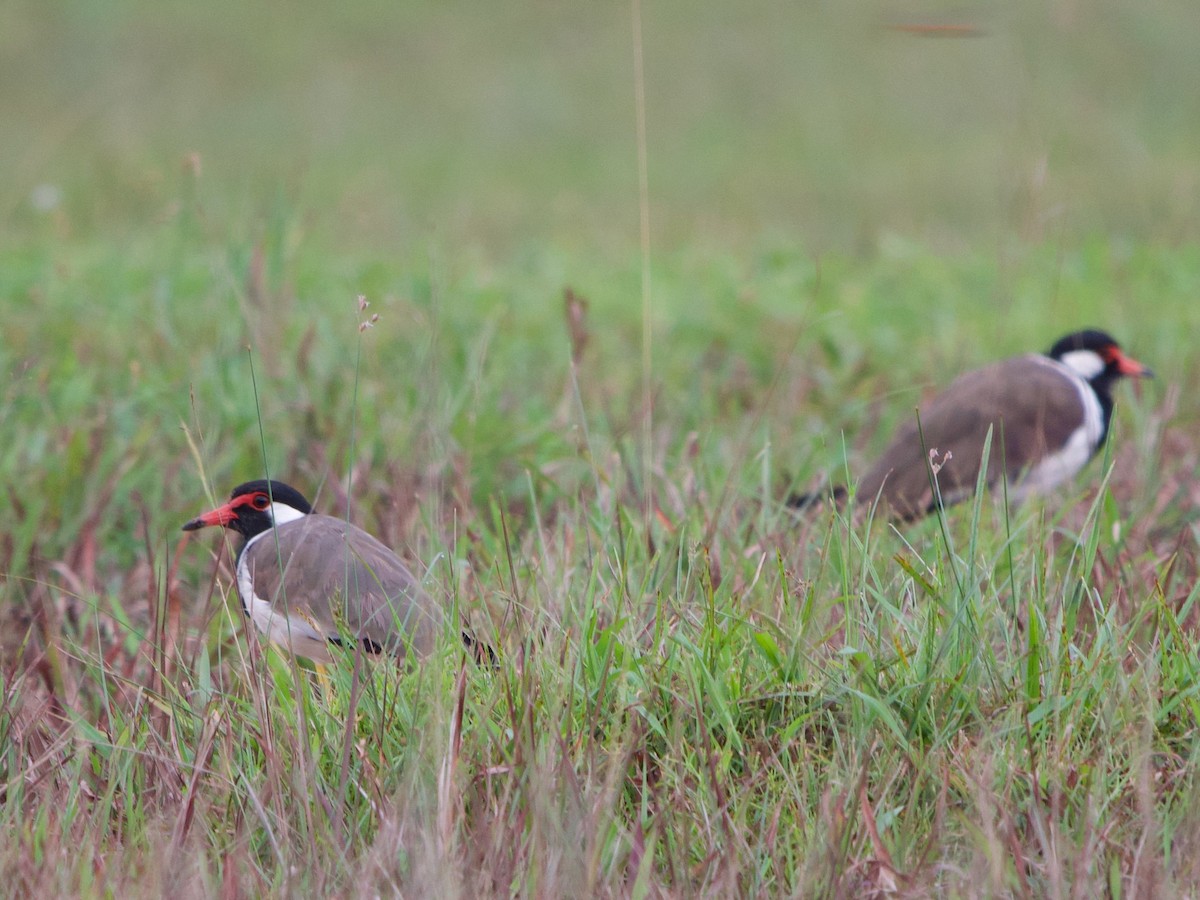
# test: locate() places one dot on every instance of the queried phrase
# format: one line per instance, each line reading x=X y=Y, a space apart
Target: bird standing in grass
x=309 y=581
x=1048 y=415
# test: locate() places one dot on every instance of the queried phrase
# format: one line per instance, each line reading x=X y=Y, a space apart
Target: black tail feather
x=484 y=655
x=805 y=501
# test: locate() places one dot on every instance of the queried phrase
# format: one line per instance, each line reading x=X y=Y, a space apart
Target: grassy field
x=698 y=693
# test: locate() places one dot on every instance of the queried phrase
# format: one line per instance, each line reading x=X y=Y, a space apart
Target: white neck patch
x=1059 y=465
x=1086 y=363
x=281 y=513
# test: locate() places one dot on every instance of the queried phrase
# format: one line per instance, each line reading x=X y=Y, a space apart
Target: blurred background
x=831 y=126
x=849 y=203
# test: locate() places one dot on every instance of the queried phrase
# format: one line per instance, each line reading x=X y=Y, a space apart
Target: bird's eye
x=260 y=501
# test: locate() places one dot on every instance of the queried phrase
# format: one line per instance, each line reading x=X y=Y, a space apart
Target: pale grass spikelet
x=363 y=303
x=935 y=465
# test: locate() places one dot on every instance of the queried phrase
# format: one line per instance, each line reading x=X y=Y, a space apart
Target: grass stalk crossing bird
x=1048 y=415
x=308 y=581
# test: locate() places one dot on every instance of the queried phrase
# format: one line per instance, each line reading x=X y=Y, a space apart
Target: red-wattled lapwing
x=1048 y=414
x=308 y=580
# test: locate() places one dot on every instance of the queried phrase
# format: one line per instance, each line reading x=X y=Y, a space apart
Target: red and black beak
x=1127 y=365
x=222 y=515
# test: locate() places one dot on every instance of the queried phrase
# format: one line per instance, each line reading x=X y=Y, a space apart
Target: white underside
x=1058 y=467
x=290 y=630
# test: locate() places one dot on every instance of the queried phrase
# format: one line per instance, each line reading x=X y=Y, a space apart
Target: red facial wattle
x=223 y=515
x=1127 y=365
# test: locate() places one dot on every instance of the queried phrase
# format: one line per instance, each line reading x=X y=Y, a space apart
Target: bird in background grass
x=1048 y=415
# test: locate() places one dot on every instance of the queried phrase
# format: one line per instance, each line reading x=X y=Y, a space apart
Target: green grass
x=697 y=693
x=711 y=701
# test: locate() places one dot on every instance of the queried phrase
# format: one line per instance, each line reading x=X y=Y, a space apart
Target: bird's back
x=344 y=580
x=1032 y=405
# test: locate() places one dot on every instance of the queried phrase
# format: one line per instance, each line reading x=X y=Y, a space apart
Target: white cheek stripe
x=284 y=629
x=281 y=514
x=1087 y=364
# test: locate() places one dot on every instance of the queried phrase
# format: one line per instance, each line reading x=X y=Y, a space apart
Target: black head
x=254 y=507
x=1096 y=357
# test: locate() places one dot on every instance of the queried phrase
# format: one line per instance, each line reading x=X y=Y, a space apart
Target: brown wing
x=1029 y=403
x=344 y=579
